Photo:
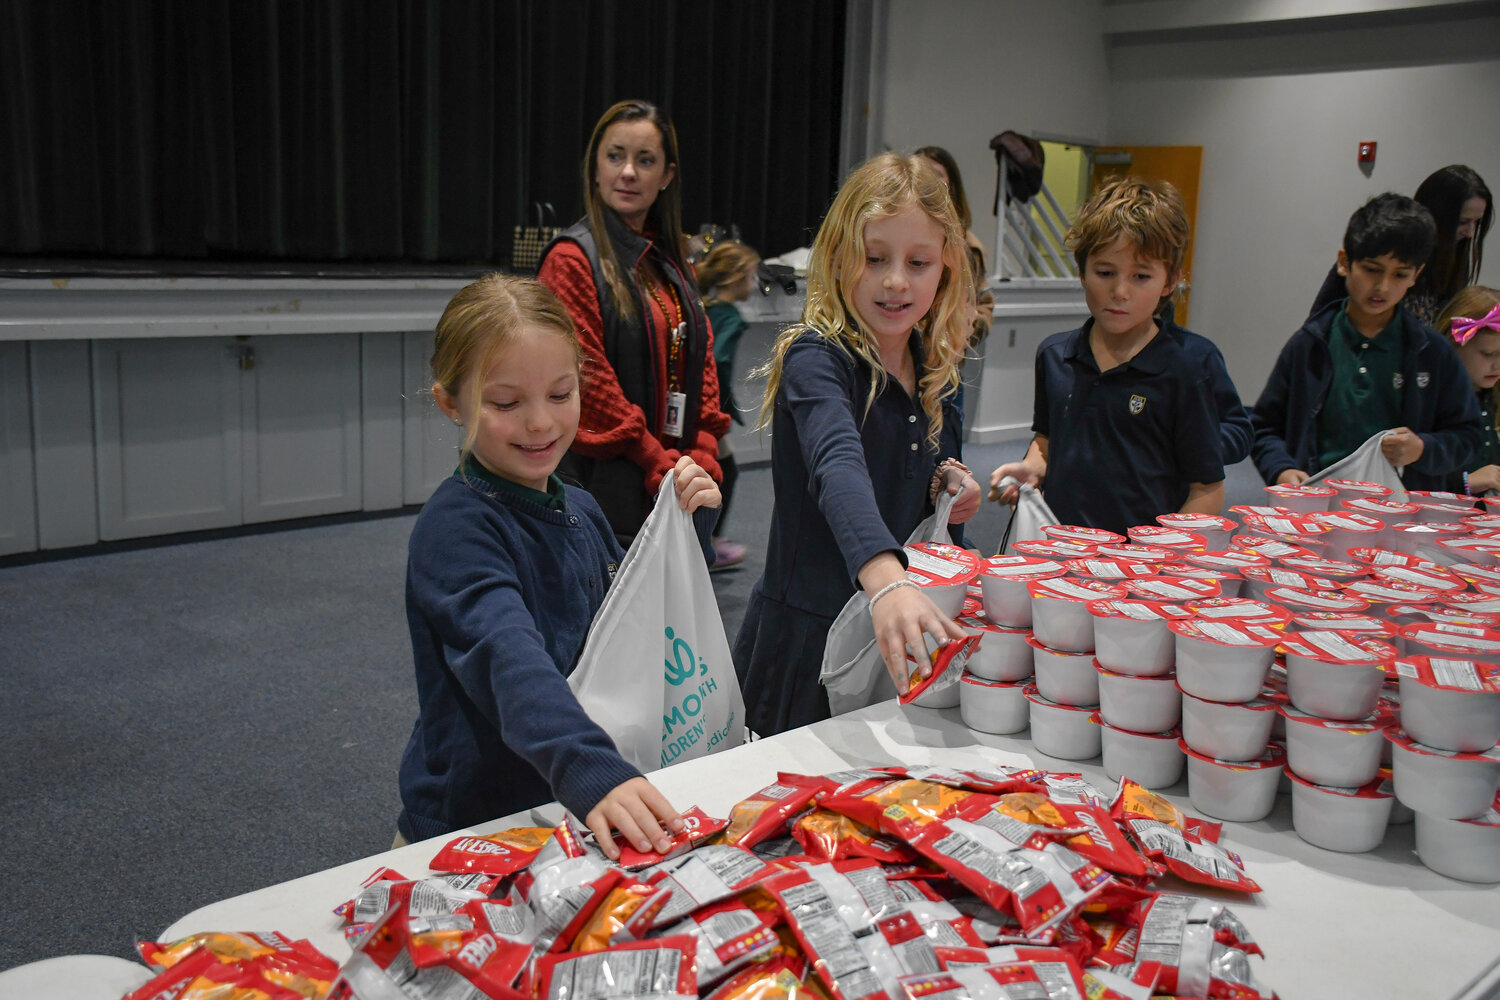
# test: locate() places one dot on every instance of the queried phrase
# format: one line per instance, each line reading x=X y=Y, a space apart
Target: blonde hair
x=485 y=318
x=1473 y=302
x=1149 y=214
x=883 y=186
x=728 y=260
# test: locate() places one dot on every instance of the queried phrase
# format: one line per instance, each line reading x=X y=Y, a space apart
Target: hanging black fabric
x=394 y=130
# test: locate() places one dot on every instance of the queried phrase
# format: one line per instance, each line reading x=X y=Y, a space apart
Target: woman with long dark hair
x=650 y=389
x=1463 y=209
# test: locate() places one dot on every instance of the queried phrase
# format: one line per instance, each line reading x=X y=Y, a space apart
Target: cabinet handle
x=245 y=354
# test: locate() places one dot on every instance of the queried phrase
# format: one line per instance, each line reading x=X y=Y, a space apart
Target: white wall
x=956 y=73
x=1279 y=118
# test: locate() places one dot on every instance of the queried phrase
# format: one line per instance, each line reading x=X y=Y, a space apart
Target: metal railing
x=1029 y=237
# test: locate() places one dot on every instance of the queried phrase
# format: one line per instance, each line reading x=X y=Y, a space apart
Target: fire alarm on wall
x=1367 y=152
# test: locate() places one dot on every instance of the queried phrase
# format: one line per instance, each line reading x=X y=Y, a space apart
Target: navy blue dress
x=849 y=485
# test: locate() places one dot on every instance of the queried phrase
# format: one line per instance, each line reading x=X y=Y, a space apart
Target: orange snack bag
x=501 y=853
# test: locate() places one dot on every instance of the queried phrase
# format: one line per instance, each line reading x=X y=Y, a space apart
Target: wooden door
x=1178 y=165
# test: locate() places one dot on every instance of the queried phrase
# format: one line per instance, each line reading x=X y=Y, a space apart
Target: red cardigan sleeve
x=610 y=425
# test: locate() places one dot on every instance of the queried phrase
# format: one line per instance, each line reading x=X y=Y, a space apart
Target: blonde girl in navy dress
x=860 y=400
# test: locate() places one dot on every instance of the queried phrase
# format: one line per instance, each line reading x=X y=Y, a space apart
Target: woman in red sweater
x=650 y=390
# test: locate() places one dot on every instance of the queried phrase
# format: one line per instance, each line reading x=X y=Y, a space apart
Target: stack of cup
x=1214 y=529
x=1302 y=499
x=1447 y=763
x=1259 y=579
x=1354 y=489
x=992 y=693
x=1139 y=704
x=1066 y=688
x=1231 y=565
x=1335 y=734
x=1341 y=571
x=1348 y=529
x=1168 y=538
x=1223 y=659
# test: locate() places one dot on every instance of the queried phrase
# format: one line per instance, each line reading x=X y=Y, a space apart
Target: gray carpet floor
x=187 y=721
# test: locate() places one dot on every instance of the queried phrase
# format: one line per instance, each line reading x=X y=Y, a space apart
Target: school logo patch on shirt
x=1398 y=380
x=1137 y=404
x=613 y=569
x=1424 y=379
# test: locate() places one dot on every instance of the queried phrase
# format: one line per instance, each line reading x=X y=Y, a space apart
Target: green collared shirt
x=1364 y=396
x=553 y=499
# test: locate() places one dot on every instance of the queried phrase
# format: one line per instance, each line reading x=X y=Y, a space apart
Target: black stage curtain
x=395 y=130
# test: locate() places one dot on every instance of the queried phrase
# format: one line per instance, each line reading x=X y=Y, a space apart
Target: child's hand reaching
x=1485 y=479
x=639 y=812
x=695 y=487
x=1402 y=446
x=1021 y=472
x=1292 y=477
x=959 y=482
x=901 y=618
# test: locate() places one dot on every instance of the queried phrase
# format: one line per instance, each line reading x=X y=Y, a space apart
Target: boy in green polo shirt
x=1365 y=364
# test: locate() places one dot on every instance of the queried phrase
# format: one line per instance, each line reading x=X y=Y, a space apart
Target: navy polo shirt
x=1124 y=445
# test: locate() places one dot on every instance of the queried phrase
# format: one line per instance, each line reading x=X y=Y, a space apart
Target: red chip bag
x=424 y=897
x=849 y=925
x=780 y=978
x=1187 y=846
x=626 y=914
x=564 y=895
x=383 y=959
x=225 y=946
x=944 y=924
x=826 y=835
x=1008 y=865
x=730 y=935
x=345 y=910
x=947 y=668
x=502 y=853
x=705 y=876
x=1191 y=939
x=698 y=828
x=1055 y=980
x=765 y=814
x=657 y=968
x=1082 y=827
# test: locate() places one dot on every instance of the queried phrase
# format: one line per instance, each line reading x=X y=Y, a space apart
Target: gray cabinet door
x=431 y=441
x=17 y=482
x=301 y=427
x=167 y=435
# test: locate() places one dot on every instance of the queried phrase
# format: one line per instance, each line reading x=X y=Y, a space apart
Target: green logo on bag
x=686 y=665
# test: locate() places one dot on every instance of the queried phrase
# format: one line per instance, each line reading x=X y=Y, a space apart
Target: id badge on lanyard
x=676 y=401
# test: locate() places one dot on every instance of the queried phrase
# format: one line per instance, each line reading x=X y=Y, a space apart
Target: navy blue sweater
x=500 y=593
x=1437 y=402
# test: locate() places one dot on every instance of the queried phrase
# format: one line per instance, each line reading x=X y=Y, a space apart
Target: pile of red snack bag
x=888 y=884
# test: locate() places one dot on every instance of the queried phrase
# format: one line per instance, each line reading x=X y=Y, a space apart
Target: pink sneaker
x=727 y=554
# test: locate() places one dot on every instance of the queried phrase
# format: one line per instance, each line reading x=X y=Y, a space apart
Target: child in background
x=1365 y=364
x=726 y=276
x=1472 y=319
x=863 y=435
x=1126 y=418
x=505 y=571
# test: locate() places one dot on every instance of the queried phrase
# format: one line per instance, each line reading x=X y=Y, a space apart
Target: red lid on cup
x=1437 y=529
x=1431 y=577
x=1451 y=674
x=1379 y=787
x=1274 y=755
x=1442 y=497
x=1271 y=548
x=937 y=564
x=1332 y=569
x=1172 y=538
x=1068 y=588
x=1036 y=698
x=1384 y=717
x=1286 y=525
x=1399 y=737
x=1175 y=587
x=1297 y=599
x=1109 y=569
x=1387 y=557
x=1471 y=603
x=1049 y=549
x=1196 y=522
x=1081 y=533
x=978 y=621
x=1240 y=609
x=1339 y=647
x=1021 y=568
x=1358 y=487
x=1342 y=621
x=1276 y=576
x=1233 y=560
x=1475 y=574
x=1261 y=510
x=1465 y=544
x=1385 y=509
x=1391 y=592
x=1299 y=490
x=1141 y=611
x=1348 y=520
x=1227 y=633
x=1135 y=552
x=1463 y=641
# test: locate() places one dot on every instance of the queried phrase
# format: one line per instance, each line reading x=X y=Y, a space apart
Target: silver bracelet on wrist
x=903 y=582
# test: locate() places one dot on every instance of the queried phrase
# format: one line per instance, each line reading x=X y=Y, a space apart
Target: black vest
x=618 y=483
